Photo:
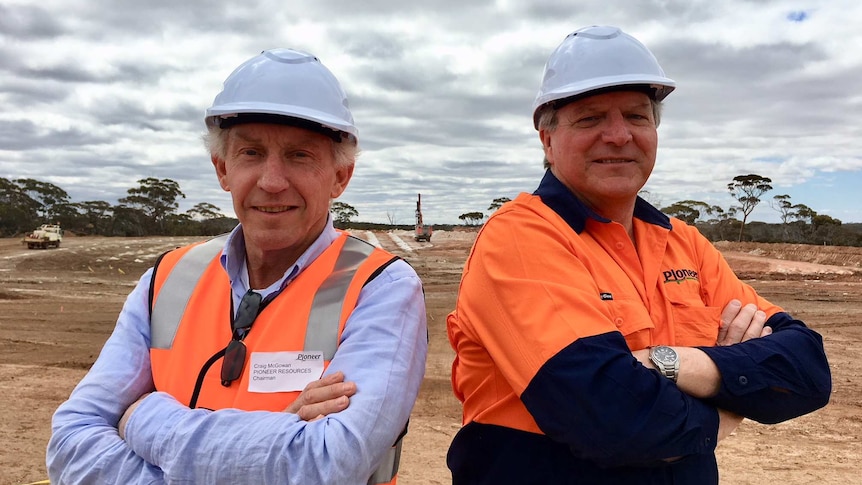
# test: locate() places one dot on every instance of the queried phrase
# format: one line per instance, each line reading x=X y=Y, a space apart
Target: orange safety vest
x=190 y=324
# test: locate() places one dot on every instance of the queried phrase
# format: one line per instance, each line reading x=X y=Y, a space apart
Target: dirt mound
x=845 y=256
x=793 y=261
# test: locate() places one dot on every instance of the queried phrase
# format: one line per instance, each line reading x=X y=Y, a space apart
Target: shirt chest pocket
x=694 y=324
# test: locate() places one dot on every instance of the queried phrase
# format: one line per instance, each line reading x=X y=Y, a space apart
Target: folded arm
x=768 y=380
x=776 y=378
x=85 y=446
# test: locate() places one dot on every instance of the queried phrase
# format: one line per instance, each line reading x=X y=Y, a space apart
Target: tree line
x=149 y=209
x=799 y=223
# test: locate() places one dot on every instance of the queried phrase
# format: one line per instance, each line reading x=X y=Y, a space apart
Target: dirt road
x=58 y=306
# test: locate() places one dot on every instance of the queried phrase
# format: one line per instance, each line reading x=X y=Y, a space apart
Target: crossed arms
x=317 y=439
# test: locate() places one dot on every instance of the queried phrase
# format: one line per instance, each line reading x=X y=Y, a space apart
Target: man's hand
x=727 y=423
x=121 y=426
x=322 y=397
x=740 y=323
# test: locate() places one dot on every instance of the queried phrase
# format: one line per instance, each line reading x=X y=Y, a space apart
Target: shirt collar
x=561 y=200
x=233 y=259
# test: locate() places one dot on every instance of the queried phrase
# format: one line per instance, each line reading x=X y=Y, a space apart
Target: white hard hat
x=599 y=57
x=284 y=83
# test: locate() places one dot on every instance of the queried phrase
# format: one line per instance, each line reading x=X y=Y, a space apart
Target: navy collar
x=561 y=200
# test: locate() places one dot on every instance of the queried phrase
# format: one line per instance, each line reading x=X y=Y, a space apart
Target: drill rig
x=422 y=232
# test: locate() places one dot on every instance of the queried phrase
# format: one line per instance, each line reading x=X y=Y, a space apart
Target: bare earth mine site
x=58 y=306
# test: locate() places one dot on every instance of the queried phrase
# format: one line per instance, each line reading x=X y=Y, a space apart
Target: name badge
x=284 y=371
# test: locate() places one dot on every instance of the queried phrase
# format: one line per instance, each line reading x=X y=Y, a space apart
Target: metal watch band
x=671 y=373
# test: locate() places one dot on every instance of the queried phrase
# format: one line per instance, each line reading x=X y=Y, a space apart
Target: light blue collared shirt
x=382 y=349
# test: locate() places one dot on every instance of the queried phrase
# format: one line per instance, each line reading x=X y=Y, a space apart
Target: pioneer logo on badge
x=304 y=357
x=606 y=296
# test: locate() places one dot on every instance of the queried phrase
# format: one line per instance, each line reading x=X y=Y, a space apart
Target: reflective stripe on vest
x=329 y=298
x=388 y=469
x=321 y=333
x=174 y=296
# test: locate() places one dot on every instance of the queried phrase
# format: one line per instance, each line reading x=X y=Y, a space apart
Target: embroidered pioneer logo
x=679 y=275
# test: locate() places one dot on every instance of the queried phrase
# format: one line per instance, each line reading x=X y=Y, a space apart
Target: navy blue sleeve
x=774 y=378
x=595 y=397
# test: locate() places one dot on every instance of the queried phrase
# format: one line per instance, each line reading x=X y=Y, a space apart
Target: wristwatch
x=666 y=361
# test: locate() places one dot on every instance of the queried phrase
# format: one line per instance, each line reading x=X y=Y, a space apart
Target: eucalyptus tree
x=747 y=190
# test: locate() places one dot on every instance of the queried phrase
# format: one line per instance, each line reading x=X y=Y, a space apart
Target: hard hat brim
x=300 y=112
x=660 y=86
x=225 y=122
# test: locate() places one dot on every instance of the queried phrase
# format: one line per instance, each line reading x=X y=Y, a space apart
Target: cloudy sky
x=97 y=94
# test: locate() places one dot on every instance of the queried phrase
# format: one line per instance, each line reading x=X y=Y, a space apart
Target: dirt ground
x=58 y=306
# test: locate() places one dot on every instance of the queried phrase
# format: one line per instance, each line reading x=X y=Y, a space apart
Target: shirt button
x=618 y=321
x=743 y=380
x=620 y=245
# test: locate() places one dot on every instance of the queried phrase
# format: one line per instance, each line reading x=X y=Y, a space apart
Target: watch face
x=665 y=355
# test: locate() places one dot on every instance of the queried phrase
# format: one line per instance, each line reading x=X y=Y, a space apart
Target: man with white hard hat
x=285 y=352
x=597 y=340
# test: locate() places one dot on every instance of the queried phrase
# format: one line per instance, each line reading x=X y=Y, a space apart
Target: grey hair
x=344 y=153
x=548 y=119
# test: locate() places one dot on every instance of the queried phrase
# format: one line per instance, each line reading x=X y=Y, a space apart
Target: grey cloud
x=66 y=73
x=417 y=80
x=124 y=20
x=760 y=86
x=446 y=111
x=438 y=95
x=585 y=12
x=134 y=113
x=384 y=9
x=74 y=72
x=446 y=121
x=28 y=22
x=9 y=59
x=372 y=46
x=30 y=96
x=24 y=135
x=707 y=62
